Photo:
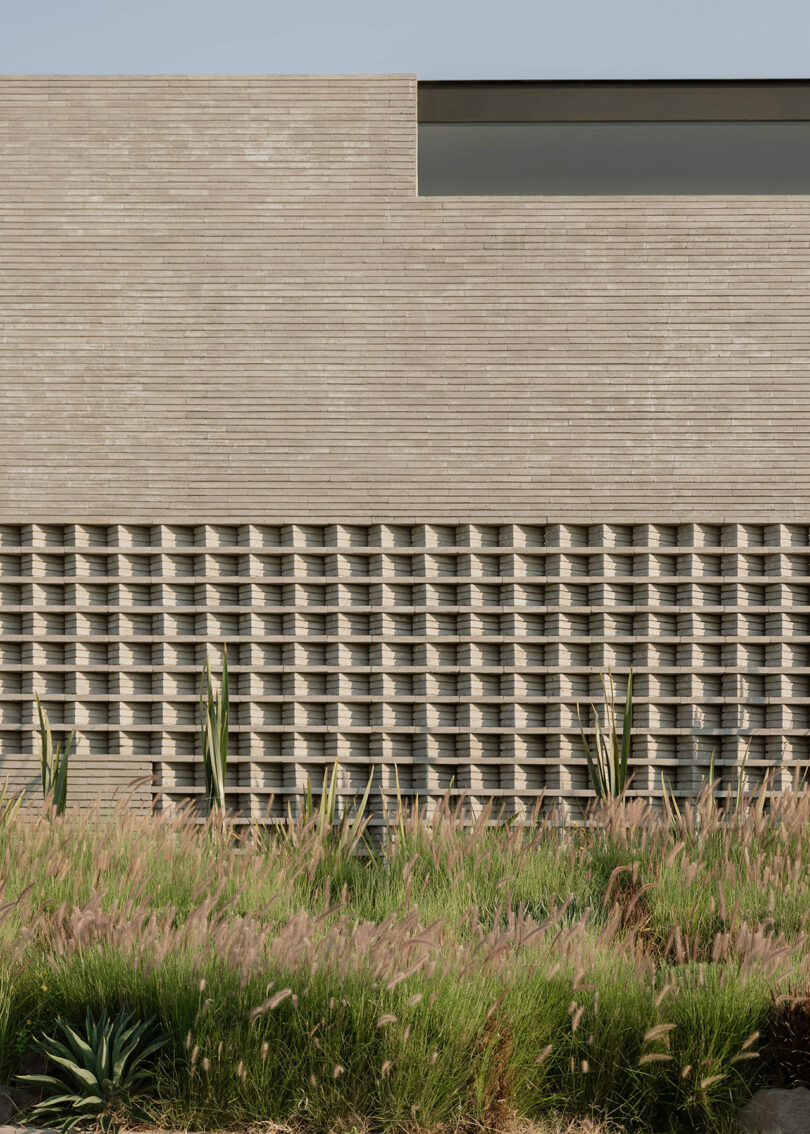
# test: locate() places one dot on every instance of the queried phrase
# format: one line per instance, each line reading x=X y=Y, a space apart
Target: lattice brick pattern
x=456 y=653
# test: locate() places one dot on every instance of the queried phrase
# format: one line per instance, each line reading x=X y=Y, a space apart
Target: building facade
x=426 y=464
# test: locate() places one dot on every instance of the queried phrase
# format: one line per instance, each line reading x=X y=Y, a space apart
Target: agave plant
x=54 y=766
x=95 y=1074
x=214 y=714
x=607 y=762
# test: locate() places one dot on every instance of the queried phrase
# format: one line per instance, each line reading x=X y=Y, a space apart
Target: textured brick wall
x=222 y=297
x=228 y=325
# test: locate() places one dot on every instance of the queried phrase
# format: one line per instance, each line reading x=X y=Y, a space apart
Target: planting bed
x=650 y=971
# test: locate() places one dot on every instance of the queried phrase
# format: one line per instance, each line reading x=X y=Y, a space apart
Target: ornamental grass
x=646 y=969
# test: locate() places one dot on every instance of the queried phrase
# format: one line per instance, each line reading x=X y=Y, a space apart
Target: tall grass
x=456 y=975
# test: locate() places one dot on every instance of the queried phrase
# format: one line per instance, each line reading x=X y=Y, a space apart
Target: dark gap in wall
x=582 y=139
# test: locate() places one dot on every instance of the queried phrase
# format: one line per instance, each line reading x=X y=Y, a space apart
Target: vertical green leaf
x=593 y=769
x=356 y=829
x=332 y=807
x=46 y=749
x=627 y=733
x=214 y=712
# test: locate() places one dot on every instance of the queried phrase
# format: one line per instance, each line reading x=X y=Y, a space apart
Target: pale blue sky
x=436 y=39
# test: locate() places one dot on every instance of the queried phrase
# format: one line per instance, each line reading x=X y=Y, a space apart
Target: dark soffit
x=664 y=100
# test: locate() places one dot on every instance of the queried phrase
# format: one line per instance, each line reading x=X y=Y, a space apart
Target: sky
x=434 y=39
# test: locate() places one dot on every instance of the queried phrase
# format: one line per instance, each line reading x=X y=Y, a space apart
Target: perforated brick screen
x=454 y=654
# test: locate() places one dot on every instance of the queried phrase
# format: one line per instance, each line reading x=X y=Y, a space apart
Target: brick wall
x=222 y=297
x=222 y=304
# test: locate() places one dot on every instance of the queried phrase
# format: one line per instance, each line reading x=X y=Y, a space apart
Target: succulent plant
x=95 y=1075
x=214 y=723
x=54 y=765
x=607 y=761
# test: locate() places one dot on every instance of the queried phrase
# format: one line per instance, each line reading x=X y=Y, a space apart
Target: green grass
x=464 y=975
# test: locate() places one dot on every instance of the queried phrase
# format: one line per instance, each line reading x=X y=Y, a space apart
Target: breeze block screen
x=449 y=657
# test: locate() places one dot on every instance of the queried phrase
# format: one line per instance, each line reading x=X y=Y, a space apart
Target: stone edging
x=28 y=1130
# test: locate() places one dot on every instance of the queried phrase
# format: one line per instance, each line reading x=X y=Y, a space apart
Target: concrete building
x=426 y=461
